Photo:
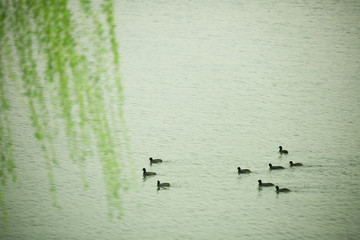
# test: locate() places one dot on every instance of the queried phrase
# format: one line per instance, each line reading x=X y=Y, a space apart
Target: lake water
x=210 y=86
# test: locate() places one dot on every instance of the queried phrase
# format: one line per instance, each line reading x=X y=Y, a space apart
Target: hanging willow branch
x=64 y=70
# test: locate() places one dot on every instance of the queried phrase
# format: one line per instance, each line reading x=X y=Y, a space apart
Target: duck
x=155 y=160
x=281 y=189
x=243 y=170
x=162 y=184
x=295 y=164
x=283 y=150
x=275 y=167
x=145 y=173
x=261 y=184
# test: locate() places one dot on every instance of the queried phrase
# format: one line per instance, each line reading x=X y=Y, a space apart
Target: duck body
x=155 y=160
x=281 y=189
x=283 y=150
x=163 y=184
x=261 y=184
x=275 y=167
x=295 y=164
x=145 y=173
x=243 y=170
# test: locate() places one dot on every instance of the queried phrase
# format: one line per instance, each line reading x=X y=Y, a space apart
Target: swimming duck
x=145 y=173
x=155 y=160
x=281 y=189
x=261 y=184
x=275 y=167
x=283 y=150
x=243 y=170
x=162 y=184
x=295 y=164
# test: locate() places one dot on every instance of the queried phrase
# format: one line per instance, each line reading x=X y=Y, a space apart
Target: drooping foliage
x=64 y=59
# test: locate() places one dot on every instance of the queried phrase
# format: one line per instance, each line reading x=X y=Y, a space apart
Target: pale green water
x=209 y=87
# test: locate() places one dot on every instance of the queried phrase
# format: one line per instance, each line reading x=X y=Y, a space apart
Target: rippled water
x=210 y=87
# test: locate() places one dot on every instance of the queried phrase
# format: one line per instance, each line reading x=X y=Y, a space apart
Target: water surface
x=209 y=87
